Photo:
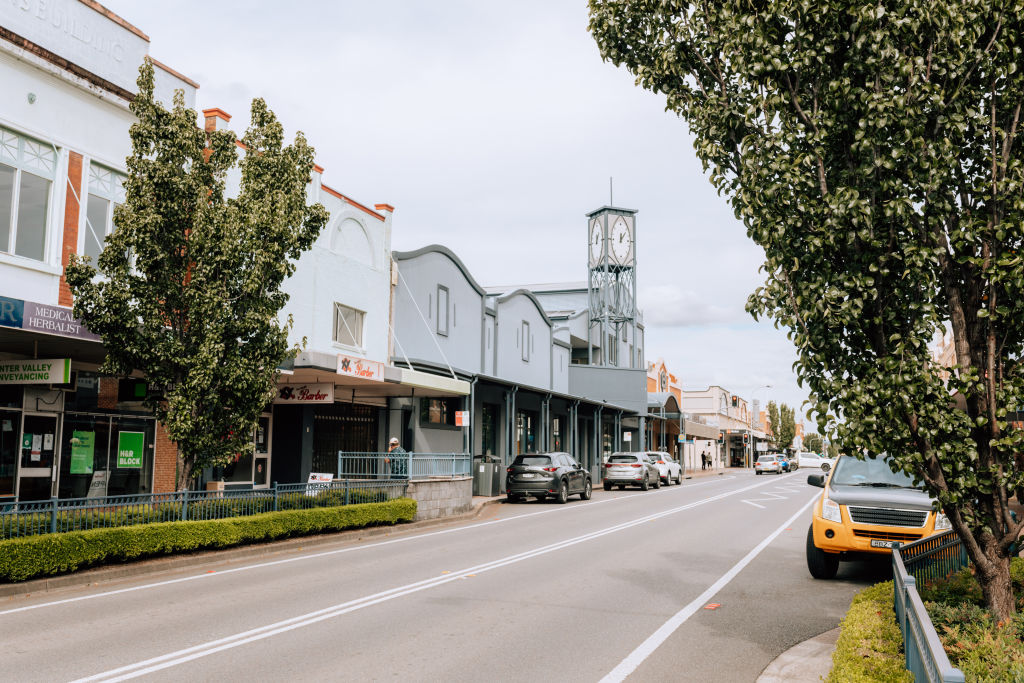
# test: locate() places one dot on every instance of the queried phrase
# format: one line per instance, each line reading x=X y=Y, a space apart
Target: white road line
x=204 y=649
x=326 y=553
x=637 y=656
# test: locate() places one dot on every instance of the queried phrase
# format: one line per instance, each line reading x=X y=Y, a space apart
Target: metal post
x=274 y=487
x=184 y=505
x=53 y=515
x=346 y=492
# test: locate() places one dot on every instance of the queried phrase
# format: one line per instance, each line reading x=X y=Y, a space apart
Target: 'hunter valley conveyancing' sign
x=36 y=371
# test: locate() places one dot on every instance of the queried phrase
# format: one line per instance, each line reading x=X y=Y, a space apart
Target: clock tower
x=612 y=287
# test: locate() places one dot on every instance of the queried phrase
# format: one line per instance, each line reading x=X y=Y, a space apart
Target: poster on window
x=129 y=449
x=82 y=448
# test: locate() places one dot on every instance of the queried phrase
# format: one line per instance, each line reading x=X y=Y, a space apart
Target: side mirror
x=816 y=480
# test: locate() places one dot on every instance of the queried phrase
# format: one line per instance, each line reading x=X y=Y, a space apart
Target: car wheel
x=657 y=482
x=512 y=499
x=822 y=565
x=588 y=490
x=645 y=484
x=607 y=486
x=563 y=492
x=679 y=478
x=757 y=472
x=825 y=467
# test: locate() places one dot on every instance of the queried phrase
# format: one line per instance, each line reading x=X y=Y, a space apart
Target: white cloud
x=673 y=306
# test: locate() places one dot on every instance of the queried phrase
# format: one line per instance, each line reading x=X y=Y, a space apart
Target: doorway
x=39 y=439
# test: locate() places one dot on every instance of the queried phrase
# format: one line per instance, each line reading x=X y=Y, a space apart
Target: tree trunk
x=993 y=574
x=184 y=472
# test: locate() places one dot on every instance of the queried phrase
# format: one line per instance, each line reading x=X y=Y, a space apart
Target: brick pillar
x=210 y=117
x=72 y=211
x=108 y=393
x=165 y=463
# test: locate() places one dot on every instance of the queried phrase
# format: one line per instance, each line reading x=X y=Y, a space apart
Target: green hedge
x=870 y=646
x=51 y=554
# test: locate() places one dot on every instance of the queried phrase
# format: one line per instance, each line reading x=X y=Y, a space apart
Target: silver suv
x=631 y=469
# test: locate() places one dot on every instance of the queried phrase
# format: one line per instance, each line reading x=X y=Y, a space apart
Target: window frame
x=443 y=330
x=525 y=346
x=113 y=194
x=338 y=318
x=17 y=152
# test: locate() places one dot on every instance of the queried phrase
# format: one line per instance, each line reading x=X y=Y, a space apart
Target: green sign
x=36 y=371
x=82 y=446
x=129 y=449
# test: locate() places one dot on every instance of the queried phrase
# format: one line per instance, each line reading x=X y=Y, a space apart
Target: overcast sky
x=493 y=128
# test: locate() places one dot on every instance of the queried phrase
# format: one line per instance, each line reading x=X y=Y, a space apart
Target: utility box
x=497 y=476
x=483 y=476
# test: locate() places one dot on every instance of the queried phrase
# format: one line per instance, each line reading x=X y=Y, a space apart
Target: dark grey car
x=631 y=469
x=546 y=474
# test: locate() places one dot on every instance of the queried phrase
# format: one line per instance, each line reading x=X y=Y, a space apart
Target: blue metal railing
x=55 y=515
x=392 y=466
x=934 y=556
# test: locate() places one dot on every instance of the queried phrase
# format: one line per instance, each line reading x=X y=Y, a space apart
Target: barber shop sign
x=304 y=393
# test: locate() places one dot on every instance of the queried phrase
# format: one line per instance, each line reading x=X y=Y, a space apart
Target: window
x=348 y=326
x=106 y=190
x=613 y=351
x=27 y=170
x=526 y=341
x=442 y=310
x=438 y=411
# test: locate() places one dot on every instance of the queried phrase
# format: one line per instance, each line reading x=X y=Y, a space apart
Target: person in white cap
x=396 y=458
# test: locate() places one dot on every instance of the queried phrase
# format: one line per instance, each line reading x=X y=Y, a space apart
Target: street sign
x=461 y=418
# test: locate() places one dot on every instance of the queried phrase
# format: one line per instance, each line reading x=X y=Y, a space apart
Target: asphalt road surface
x=612 y=588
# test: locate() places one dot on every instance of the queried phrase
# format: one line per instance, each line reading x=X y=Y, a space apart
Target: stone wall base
x=441 y=497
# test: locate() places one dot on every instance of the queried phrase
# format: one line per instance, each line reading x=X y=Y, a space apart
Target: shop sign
x=318 y=481
x=98 y=485
x=129 y=449
x=360 y=367
x=461 y=418
x=34 y=317
x=36 y=371
x=627 y=436
x=305 y=393
x=82 y=448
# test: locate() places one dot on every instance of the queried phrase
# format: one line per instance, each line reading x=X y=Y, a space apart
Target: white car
x=668 y=469
x=816 y=461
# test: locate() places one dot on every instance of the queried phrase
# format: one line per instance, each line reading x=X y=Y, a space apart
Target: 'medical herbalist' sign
x=35 y=317
x=36 y=371
x=360 y=367
x=305 y=393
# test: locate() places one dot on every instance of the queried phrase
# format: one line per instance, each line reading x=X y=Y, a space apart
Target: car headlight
x=830 y=511
x=942 y=522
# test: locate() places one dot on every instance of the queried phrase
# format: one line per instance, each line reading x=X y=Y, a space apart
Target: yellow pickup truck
x=864 y=508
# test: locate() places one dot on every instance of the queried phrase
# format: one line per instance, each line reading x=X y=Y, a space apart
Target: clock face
x=622 y=241
x=595 y=241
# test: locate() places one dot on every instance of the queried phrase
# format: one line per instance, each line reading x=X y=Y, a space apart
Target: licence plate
x=875 y=543
x=528 y=475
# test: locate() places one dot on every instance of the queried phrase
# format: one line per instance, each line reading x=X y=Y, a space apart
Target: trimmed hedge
x=51 y=554
x=870 y=646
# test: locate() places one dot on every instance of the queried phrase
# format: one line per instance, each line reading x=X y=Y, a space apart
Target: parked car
x=768 y=463
x=546 y=474
x=784 y=462
x=865 y=507
x=630 y=469
x=814 y=460
x=668 y=469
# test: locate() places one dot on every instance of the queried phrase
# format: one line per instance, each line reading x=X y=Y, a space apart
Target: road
x=610 y=588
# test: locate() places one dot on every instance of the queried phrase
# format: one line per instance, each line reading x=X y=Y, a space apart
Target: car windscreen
x=532 y=460
x=870 y=472
x=766 y=458
x=622 y=458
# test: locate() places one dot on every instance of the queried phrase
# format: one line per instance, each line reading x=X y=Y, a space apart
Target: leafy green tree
x=783 y=424
x=813 y=443
x=833 y=450
x=872 y=149
x=189 y=286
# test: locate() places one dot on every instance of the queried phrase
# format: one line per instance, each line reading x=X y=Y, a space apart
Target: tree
x=872 y=149
x=783 y=424
x=813 y=443
x=190 y=281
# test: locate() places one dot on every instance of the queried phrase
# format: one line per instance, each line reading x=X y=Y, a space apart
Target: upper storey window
x=27 y=170
x=106 y=190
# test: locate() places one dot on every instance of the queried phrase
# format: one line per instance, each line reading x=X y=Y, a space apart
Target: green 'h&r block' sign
x=129 y=449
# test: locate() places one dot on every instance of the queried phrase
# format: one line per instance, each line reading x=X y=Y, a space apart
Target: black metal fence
x=55 y=515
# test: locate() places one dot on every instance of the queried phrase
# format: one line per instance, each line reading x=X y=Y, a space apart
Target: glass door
x=39 y=441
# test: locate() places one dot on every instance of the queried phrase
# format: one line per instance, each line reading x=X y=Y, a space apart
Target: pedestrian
x=397 y=459
x=704 y=460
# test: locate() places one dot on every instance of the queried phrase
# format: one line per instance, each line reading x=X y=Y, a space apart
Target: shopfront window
x=439 y=411
x=106 y=455
x=489 y=429
x=526 y=431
